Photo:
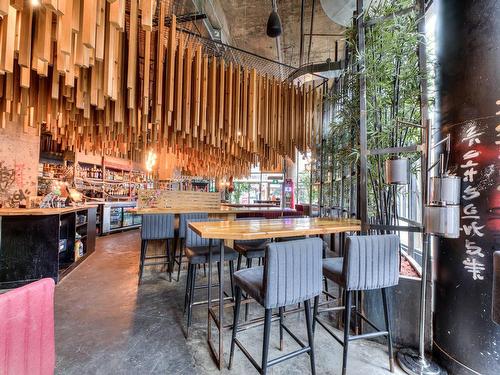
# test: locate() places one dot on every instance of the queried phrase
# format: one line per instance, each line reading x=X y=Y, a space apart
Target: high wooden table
x=250 y=230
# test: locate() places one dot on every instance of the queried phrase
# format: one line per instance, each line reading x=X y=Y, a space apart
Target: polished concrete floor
x=105 y=324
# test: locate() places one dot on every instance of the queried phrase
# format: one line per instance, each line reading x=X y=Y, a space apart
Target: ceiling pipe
x=301 y=51
x=311 y=32
x=329 y=66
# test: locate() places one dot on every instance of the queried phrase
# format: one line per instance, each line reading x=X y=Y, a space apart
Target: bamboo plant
x=392 y=91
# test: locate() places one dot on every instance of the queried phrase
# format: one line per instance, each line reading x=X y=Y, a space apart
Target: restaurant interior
x=241 y=187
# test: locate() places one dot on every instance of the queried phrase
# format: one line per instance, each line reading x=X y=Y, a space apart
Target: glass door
x=116 y=217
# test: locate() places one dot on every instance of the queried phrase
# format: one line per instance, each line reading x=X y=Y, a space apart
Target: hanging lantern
x=445 y=190
x=397 y=171
x=442 y=220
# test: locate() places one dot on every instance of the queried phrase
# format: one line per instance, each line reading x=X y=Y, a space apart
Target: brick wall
x=19 y=155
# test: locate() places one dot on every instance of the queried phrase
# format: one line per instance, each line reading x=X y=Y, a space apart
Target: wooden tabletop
x=224 y=210
x=42 y=211
x=274 y=228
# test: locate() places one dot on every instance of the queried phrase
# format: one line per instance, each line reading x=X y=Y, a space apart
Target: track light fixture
x=274 y=23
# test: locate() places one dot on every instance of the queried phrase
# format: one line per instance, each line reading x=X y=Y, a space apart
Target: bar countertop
x=42 y=211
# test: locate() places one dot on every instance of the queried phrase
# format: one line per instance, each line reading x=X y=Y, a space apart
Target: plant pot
x=442 y=220
x=397 y=171
x=404 y=305
x=445 y=190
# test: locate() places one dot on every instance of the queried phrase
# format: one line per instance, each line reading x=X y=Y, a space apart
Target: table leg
x=221 y=306
x=218 y=356
x=209 y=303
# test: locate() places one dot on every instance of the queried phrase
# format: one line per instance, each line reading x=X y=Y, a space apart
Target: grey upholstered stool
x=197 y=252
x=156 y=227
x=291 y=274
x=370 y=262
x=181 y=237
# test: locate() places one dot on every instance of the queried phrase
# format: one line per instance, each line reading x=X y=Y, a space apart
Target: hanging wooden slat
x=132 y=55
x=147 y=14
x=8 y=37
x=225 y=117
x=25 y=37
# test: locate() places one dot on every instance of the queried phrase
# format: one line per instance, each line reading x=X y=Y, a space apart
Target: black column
x=468 y=32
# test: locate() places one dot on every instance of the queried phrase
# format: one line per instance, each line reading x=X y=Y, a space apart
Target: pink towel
x=27 y=330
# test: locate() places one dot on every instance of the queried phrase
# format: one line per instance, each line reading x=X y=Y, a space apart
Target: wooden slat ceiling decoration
x=108 y=81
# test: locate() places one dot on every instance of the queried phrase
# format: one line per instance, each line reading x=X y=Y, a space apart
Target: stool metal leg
x=191 y=297
x=181 y=254
x=238 y=266
x=188 y=286
x=169 y=259
x=347 y=324
x=388 y=327
x=144 y=249
x=235 y=324
x=282 y=342
x=315 y=312
x=231 y=273
x=310 y=335
x=265 y=345
x=249 y=265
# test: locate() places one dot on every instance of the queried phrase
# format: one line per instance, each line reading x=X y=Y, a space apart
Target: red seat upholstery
x=27 y=330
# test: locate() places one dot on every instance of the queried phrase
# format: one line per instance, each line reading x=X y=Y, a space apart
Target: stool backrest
x=157 y=226
x=292 y=272
x=27 y=343
x=371 y=262
x=193 y=239
x=183 y=218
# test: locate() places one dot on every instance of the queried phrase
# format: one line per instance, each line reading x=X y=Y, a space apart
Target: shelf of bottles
x=88 y=180
x=110 y=184
x=49 y=173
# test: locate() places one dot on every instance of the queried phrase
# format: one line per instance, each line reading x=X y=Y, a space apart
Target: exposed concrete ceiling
x=246 y=23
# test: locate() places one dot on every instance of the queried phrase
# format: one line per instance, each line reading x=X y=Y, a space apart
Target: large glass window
x=258 y=187
x=303 y=182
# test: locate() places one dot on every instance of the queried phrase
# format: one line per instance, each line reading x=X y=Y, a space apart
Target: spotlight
x=274 y=23
x=35 y=3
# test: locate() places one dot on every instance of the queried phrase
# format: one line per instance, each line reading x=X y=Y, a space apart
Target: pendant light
x=274 y=23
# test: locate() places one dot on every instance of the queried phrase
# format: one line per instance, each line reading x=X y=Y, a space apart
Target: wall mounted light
x=442 y=221
x=150 y=161
x=397 y=171
x=445 y=189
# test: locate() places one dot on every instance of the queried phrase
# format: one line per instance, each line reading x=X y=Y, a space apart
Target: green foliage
x=393 y=101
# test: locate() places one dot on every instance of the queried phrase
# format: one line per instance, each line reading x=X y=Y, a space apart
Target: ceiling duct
x=339 y=11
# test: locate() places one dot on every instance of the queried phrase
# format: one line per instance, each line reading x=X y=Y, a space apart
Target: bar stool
x=370 y=262
x=197 y=252
x=156 y=227
x=183 y=218
x=250 y=249
x=291 y=274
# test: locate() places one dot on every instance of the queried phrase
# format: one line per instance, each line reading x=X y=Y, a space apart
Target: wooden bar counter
x=40 y=242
